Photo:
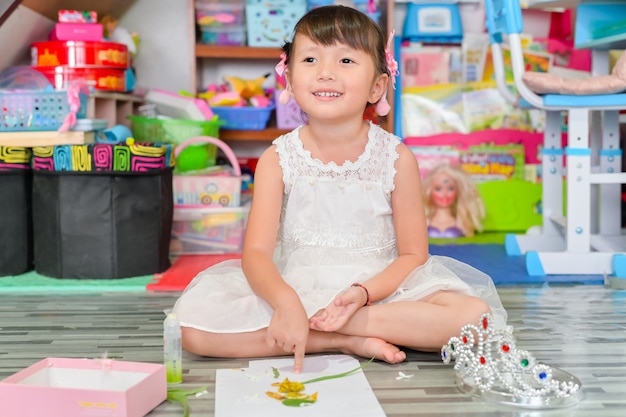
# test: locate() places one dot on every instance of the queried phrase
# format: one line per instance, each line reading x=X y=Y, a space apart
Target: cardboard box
x=60 y=387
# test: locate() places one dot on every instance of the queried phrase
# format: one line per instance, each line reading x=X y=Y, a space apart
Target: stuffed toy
x=246 y=88
x=546 y=83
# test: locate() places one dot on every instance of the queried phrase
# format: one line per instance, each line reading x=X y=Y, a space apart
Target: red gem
x=482 y=360
x=485 y=323
x=506 y=348
x=464 y=339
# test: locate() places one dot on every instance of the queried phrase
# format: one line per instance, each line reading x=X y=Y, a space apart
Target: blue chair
x=588 y=239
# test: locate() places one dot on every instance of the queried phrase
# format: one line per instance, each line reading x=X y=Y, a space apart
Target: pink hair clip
x=391 y=61
x=285 y=95
x=383 y=107
x=282 y=64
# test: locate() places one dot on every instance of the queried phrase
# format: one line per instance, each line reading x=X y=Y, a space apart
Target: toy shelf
x=271 y=54
x=243 y=52
x=45 y=138
x=114 y=107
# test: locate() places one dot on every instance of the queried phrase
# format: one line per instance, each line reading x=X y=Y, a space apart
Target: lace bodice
x=338 y=210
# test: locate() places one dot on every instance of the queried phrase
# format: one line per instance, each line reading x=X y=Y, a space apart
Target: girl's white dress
x=336 y=229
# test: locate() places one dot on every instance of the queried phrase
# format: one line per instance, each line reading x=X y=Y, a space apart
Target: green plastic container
x=176 y=131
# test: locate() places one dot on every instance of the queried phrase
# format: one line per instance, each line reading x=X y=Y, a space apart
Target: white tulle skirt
x=220 y=300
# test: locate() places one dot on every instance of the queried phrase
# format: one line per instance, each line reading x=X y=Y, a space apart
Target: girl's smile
x=327 y=94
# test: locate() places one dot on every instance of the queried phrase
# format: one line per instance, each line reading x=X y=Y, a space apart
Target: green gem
x=524 y=363
x=452 y=346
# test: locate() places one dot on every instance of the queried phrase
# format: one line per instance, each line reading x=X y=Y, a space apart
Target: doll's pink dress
x=336 y=229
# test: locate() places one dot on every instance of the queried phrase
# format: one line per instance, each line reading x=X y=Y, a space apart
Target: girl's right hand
x=289 y=329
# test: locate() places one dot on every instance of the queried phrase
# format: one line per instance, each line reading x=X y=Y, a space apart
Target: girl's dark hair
x=328 y=25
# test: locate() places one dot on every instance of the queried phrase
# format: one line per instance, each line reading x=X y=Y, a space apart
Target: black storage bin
x=100 y=224
x=16 y=239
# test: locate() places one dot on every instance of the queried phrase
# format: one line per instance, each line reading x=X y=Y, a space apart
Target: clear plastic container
x=215 y=13
x=224 y=35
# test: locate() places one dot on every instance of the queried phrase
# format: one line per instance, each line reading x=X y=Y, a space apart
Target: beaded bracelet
x=367 y=293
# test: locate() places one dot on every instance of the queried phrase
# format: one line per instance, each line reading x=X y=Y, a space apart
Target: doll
x=452 y=203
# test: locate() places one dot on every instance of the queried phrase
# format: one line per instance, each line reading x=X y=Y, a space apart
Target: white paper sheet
x=241 y=392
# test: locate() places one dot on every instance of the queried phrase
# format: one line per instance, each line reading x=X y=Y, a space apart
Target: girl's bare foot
x=368 y=347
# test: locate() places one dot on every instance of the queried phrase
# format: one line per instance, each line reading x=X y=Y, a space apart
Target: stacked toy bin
x=221 y=22
x=76 y=52
x=102 y=211
x=270 y=22
x=28 y=104
x=210 y=213
x=16 y=246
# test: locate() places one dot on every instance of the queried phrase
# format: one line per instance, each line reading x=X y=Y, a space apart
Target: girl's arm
x=262 y=229
x=289 y=326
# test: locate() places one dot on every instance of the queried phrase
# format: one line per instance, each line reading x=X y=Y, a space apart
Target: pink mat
x=184 y=269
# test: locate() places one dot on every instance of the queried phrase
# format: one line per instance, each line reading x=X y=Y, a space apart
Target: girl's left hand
x=337 y=313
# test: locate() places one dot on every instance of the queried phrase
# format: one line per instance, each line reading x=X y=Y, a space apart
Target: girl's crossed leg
x=374 y=331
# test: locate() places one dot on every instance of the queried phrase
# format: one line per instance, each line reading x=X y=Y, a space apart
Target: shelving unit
x=243 y=53
x=114 y=107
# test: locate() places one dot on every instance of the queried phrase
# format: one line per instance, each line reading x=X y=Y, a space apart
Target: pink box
x=60 y=387
x=76 y=32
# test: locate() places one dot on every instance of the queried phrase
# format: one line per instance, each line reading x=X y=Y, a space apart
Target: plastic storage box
x=270 y=23
x=219 y=13
x=224 y=35
x=35 y=110
x=198 y=231
x=362 y=5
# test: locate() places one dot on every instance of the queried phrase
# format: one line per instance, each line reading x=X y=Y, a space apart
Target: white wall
x=165 y=55
x=18 y=32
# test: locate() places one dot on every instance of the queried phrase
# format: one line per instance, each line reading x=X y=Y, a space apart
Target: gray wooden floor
x=581 y=329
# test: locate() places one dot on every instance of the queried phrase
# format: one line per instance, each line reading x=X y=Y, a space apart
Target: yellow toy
x=246 y=88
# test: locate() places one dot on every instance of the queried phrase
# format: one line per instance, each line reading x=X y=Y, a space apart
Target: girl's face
x=443 y=190
x=333 y=82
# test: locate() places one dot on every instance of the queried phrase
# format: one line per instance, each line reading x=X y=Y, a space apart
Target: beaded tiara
x=488 y=365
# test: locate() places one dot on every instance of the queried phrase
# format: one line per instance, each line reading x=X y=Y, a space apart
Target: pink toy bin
x=61 y=387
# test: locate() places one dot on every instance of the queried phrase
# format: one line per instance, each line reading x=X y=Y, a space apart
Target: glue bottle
x=172 y=349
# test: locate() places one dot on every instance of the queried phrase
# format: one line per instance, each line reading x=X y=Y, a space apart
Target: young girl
x=452 y=203
x=335 y=255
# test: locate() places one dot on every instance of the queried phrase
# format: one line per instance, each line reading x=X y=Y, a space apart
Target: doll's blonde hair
x=468 y=208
